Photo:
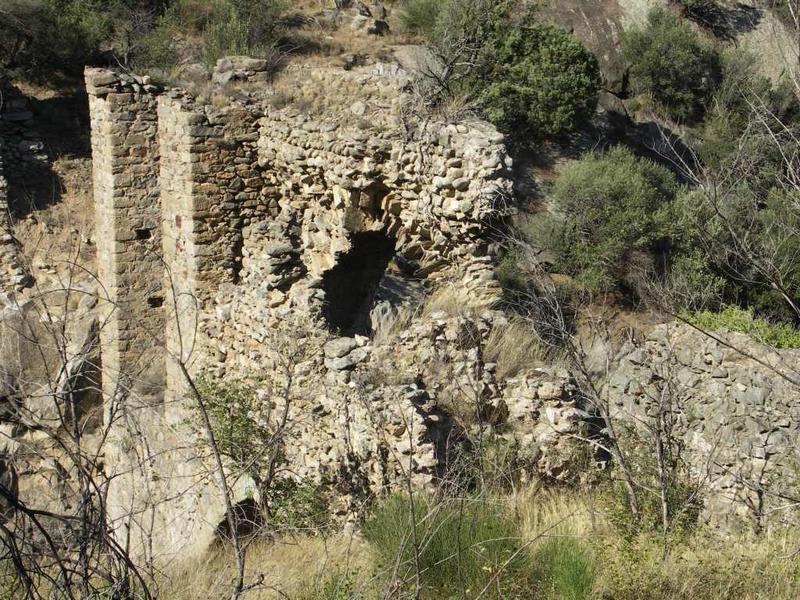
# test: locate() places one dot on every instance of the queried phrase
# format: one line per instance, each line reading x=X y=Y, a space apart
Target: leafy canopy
x=543 y=81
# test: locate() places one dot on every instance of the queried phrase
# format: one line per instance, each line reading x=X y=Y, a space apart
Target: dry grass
x=55 y=235
x=292 y=568
x=705 y=566
x=447 y=299
x=514 y=348
x=545 y=513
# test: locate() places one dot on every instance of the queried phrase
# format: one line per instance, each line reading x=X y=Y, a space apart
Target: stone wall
x=14 y=273
x=125 y=155
x=735 y=404
x=226 y=238
x=243 y=242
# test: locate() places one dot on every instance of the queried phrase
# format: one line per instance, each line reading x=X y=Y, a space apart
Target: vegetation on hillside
x=532 y=80
x=712 y=235
x=48 y=40
x=668 y=61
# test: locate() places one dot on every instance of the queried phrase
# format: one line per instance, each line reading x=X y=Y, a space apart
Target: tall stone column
x=130 y=271
x=125 y=156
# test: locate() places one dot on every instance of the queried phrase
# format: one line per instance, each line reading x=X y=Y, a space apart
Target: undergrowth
x=742 y=320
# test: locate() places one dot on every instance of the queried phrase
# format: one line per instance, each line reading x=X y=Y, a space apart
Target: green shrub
x=565 y=568
x=530 y=79
x=669 y=61
x=339 y=585
x=239 y=421
x=222 y=27
x=728 y=135
x=420 y=16
x=47 y=39
x=742 y=320
x=544 y=82
x=684 y=502
x=461 y=544
x=610 y=207
x=298 y=505
x=746 y=236
x=693 y=284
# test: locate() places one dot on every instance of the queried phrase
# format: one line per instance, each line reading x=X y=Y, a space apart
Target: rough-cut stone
x=14 y=272
x=736 y=413
x=218 y=227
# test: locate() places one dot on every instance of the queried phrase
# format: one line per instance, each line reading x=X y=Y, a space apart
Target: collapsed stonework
x=217 y=227
x=249 y=240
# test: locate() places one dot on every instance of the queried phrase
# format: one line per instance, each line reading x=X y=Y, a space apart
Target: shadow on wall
x=726 y=22
x=351 y=285
x=36 y=134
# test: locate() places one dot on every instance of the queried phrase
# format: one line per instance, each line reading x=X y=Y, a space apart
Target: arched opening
x=246 y=517
x=350 y=286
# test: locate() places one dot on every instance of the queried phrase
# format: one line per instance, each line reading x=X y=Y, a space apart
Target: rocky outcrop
x=14 y=275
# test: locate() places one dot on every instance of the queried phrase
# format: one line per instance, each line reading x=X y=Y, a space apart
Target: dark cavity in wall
x=350 y=286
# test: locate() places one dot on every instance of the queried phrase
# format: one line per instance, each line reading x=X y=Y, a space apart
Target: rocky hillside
x=363 y=300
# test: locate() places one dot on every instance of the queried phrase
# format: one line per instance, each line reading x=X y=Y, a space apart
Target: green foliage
x=420 y=16
x=543 y=81
x=41 y=39
x=462 y=544
x=239 y=421
x=742 y=320
x=693 y=283
x=46 y=39
x=748 y=238
x=339 y=585
x=669 y=61
x=731 y=112
x=564 y=568
x=298 y=505
x=683 y=501
x=532 y=80
x=222 y=27
x=610 y=207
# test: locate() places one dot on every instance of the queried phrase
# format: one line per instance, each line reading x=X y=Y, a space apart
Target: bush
x=543 y=81
x=462 y=544
x=683 y=500
x=693 y=284
x=420 y=16
x=669 y=61
x=46 y=39
x=731 y=114
x=742 y=320
x=239 y=420
x=298 y=505
x=610 y=207
x=222 y=27
x=530 y=79
x=748 y=238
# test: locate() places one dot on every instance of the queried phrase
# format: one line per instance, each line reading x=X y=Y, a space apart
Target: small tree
x=530 y=79
x=543 y=82
x=670 y=62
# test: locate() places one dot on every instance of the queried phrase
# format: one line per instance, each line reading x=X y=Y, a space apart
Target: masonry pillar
x=128 y=234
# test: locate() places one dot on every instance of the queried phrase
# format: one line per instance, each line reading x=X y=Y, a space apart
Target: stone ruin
x=225 y=235
x=255 y=241
x=14 y=117
x=301 y=251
